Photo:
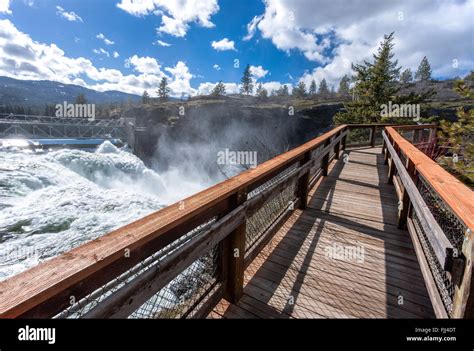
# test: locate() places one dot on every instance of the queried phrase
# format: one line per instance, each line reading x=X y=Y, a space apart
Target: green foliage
x=459 y=136
x=219 y=89
x=261 y=91
x=424 y=70
x=323 y=87
x=406 y=76
x=283 y=91
x=163 y=89
x=312 y=88
x=300 y=90
x=145 y=98
x=247 y=85
x=344 y=85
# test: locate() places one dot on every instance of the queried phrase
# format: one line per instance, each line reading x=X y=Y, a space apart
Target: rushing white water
x=52 y=202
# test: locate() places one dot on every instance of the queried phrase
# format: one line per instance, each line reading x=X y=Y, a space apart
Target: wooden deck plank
x=293 y=276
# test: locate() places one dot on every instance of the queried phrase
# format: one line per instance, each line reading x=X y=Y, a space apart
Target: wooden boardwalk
x=342 y=257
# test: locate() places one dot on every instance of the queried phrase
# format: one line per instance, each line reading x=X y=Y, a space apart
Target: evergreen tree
x=163 y=89
x=283 y=91
x=300 y=90
x=406 y=76
x=374 y=86
x=81 y=99
x=344 y=85
x=247 y=85
x=424 y=70
x=261 y=92
x=312 y=88
x=459 y=136
x=219 y=89
x=323 y=87
x=145 y=98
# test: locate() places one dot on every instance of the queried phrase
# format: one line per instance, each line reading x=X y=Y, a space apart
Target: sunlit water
x=52 y=202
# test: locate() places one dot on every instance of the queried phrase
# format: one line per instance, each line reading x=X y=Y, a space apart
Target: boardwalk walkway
x=374 y=272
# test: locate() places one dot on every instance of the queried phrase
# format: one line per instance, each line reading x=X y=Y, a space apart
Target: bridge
x=48 y=127
x=356 y=223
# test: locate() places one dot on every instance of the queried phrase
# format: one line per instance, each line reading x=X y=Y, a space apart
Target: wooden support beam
x=303 y=183
x=463 y=302
x=337 y=150
x=325 y=160
x=234 y=247
x=404 y=203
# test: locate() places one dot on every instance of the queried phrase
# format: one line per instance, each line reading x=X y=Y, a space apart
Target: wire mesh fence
x=175 y=300
x=258 y=223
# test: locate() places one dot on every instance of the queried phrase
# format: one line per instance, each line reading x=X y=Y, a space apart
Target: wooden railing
x=198 y=248
x=438 y=211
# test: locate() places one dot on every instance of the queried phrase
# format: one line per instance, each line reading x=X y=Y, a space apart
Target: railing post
x=325 y=160
x=372 y=136
x=337 y=147
x=234 y=255
x=463 y=302
x=303 y=183
x=343 y=144
x=391 y=167
x=403 y=212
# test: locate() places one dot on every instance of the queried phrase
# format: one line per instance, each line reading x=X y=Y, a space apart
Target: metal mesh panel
x=179 y=292
x=265 y=216
x=183 y=293
x=442 y=279
x=358 y=136
x=452 y=227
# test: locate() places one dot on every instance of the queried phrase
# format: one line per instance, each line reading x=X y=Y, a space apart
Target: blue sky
x=284 y=40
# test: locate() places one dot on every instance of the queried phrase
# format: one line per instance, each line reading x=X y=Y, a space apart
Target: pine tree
x=219 y=89
x=374 y=86
x=424 y=70
x=312 y=88
x=344 y=85
x=458 y=135
x=261 y=92
x=323 y=87
x=406 y=76
x=247 y=85
x=145 y=98
x=81 y=99
x=300 y=90
x=163 y=89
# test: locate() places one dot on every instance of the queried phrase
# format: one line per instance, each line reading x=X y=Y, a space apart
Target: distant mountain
x=40 y=93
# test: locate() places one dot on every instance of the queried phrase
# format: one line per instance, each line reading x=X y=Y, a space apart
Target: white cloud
x=116 y=54
x=216 y=67
x=223 y=45
x=206 y=88
x=258 y=72
x=101 y=51
x=335 y=35
x=161 y=43
x=252 y=27
x=106 y=41
x=176 y=15
x=23 y=58
x=70 y=16
x=147 y=65
x=5 y=7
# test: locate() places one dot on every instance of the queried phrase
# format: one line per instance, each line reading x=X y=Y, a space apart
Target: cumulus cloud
x=252 y=27
x=70 y=16
x=258 y=72
x=23 y=58
x=216 y=67
x=5 y=7
x=223 y=45
x=175 y=15
x=116 y=54
x=206 y=88
x=330 y=35
x=101 y=51
x=106 y=41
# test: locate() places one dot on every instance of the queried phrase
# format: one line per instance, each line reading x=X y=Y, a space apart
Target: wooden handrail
x=46 y=289
x=454 y=193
